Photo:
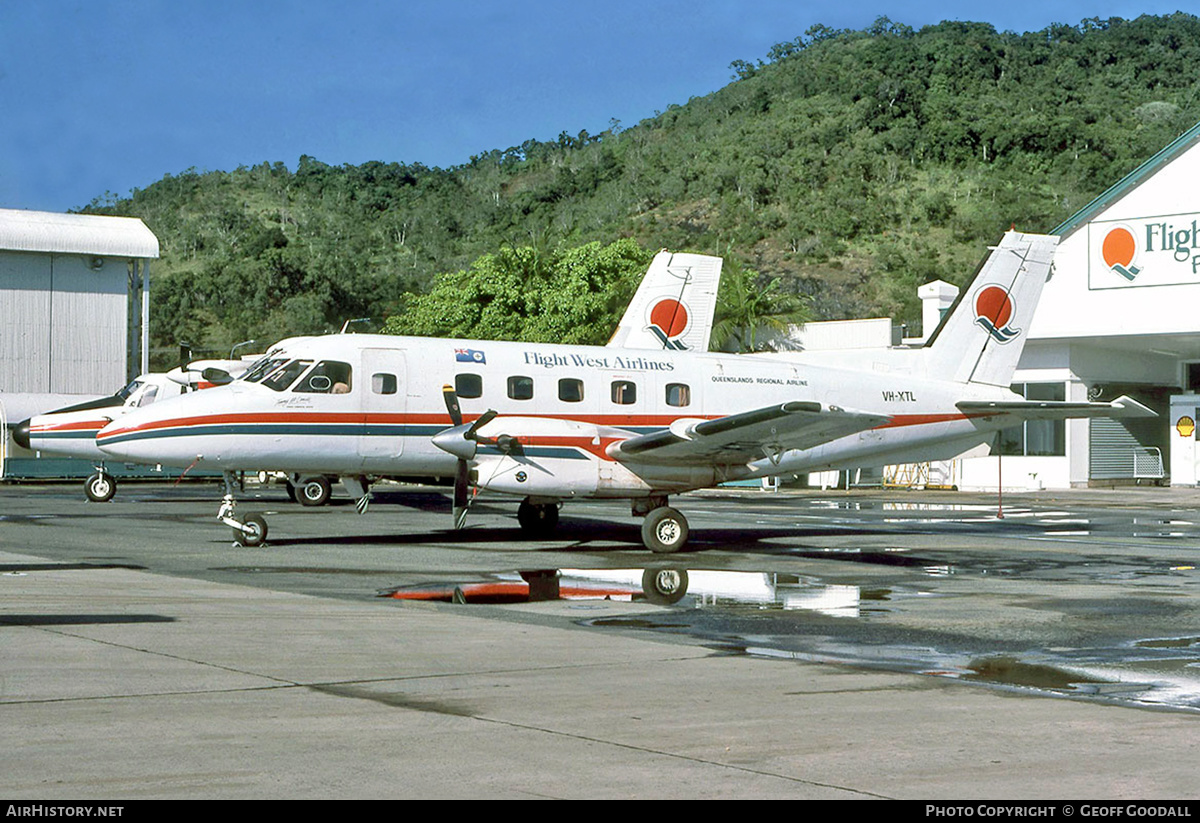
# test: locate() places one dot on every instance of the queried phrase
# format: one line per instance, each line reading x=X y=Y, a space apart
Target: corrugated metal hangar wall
x=73 y=294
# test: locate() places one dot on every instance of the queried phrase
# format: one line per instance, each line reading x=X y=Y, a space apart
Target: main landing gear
x=664 y=530
x=250 y=531
x=537 y=519
x=311 y=490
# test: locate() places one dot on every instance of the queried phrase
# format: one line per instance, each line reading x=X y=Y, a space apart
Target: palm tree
x=747 y=307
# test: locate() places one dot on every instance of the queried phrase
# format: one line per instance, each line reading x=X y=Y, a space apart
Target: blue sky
x=107 y=96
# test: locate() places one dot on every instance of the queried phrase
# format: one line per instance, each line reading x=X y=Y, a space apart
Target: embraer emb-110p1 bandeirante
x=71 y=431
x=553 y=423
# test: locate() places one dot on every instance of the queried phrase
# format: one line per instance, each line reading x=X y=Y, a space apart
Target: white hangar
x=74 y=291
x=73 y=296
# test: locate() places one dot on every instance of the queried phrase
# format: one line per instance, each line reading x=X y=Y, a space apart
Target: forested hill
x=850 y=165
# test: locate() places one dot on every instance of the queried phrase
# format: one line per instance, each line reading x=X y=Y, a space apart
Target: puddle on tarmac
x=1170 y=643
x=664 y=586
x=802 y=617
x=1010 y=671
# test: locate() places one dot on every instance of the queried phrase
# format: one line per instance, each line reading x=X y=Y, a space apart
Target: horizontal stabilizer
x=745 y=437
x=1055 y=409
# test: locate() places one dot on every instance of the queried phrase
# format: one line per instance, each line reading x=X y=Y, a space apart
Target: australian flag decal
x=469 y=356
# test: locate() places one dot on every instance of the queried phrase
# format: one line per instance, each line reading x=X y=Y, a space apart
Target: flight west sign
x=1148 y=251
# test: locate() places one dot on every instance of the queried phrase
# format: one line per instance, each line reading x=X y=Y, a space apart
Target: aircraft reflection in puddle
x=658 y=586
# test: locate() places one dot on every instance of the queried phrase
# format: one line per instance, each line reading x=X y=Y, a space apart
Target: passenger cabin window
x=679 y=394
x=624 y=392
x=327 y=377
x=520 y=388
x=280 y=380
x=570 y=390
x=383 y=383
x=468 y=385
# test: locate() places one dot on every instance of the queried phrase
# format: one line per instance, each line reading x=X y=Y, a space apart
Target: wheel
x=257 y=534
x=314 y=491
x=537 y=518
x=100 y=487
x=664 y=530
x=664 y=587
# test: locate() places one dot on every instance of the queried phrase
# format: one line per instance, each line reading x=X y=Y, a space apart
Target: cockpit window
x=133 y=386
x=286 y=376
x=262 y=368
x=148 y=396
x=327 y=377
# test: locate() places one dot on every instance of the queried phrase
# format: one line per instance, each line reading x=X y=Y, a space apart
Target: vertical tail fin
x=981 y=338
x=674 y=306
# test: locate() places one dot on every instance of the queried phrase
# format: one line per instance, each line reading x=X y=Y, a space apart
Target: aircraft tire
x=537 y=519
x=664 y=587
x=257 y=534
x=664 y=530
x=314 y=491
x=100 y=487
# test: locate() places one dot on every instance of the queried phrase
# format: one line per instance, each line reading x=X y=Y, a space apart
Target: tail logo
x=1119 y=249
x=669 y=320
x=993 y=311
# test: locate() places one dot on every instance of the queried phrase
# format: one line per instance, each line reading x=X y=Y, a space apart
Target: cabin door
x=384 y=403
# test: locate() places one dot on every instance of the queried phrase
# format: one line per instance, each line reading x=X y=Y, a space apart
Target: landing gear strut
x=537 y=519
x=252 y=530
x=100 y=487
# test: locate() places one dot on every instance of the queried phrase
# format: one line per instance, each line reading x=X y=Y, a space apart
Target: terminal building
x=1119 y=315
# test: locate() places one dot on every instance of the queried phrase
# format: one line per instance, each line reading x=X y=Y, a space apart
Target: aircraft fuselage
x=565 y=405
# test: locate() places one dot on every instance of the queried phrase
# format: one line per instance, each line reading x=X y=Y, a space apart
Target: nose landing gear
x=250 y=531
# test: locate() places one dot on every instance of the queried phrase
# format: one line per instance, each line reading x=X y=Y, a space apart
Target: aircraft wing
x=1123 y=406
x=747 y=436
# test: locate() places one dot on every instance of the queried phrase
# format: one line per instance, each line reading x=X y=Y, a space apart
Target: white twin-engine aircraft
x=71 y=430
x=553 y=423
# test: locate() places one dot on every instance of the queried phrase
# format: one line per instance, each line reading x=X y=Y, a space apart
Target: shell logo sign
x=1149 y=251
x=1186 y=426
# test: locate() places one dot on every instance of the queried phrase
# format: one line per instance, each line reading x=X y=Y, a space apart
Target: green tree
x=752 y=312
x=571 y=295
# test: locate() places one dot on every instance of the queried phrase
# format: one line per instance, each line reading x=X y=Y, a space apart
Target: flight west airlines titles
x=550 y=360
x=549 y=424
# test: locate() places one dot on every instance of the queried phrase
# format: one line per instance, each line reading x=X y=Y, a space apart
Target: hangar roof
x=40 y=231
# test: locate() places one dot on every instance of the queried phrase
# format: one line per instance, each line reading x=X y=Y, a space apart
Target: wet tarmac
x=1090 y=596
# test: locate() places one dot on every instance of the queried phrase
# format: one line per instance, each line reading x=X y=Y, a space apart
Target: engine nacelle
x=549 y=457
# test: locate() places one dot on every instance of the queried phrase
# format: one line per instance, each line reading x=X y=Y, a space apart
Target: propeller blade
x=451 y=398
x=451 y=442
x=461 y=482
x=481 y=421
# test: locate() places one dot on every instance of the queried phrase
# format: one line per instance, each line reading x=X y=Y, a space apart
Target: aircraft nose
x=20 y=434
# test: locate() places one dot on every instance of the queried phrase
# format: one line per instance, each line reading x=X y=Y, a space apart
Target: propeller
x=462 y=441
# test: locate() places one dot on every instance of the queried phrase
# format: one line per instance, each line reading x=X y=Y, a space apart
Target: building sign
x=1186 y=426
x=1146 y=251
